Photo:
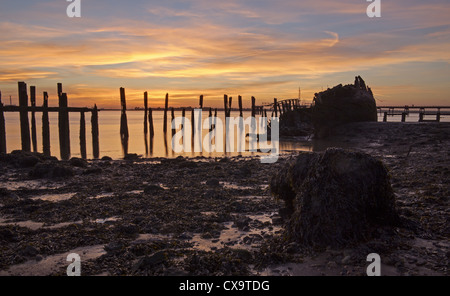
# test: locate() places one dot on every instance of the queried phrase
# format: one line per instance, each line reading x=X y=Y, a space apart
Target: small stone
x=150 y=261
x=78 y=162
x=152 y=189
x=29 y=251
x=213 y=183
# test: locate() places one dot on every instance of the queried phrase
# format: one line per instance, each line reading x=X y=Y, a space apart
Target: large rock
x=335 y=198
x=343 y=104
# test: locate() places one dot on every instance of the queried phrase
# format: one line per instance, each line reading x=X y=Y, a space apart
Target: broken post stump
x=24 y=124
x=45 y=127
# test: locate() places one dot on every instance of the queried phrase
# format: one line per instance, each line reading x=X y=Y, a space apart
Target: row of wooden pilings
x=148 y=114
x=29 y=140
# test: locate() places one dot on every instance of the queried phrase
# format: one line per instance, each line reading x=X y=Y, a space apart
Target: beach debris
x=335 y=198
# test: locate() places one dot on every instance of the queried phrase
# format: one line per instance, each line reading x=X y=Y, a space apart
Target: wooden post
x=385 y=117
x=165 y=114
x=95 y=133
x=24 y=125
x=183 y=122
x=64 y=131
x=59 y=86
x=253 y=106
x=438 y=115
x=225 y=104
x=284 y=107
x=192 y=125
x=215 y=119
x=124 y=122
x=150 y=122
x=230 y=101
x=33 y=118
x=45 y=127
x=82 y=135
x=171 y=122
x=240 y=106
x=210 y=116
x=145 y=114
x=275 y=107
x=201 y=102
x=2 y=128
x=403 y=116
x=421 y=114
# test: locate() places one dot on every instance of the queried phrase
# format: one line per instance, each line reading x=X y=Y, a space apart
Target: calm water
x=110 y=144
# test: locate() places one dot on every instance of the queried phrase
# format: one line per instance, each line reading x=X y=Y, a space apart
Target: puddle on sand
x=107 y=220
x=36 y=225
x=54 y=197
x=102 y=195
x=30 y=185
x=232 y=237
x=53 y=263
x=230 y=185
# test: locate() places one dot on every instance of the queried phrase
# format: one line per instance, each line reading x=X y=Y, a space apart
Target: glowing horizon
x=259 y=48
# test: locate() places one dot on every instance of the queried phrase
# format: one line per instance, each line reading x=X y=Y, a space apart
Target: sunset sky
x=258 y=48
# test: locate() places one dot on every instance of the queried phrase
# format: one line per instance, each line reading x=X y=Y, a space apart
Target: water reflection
x=155 y=143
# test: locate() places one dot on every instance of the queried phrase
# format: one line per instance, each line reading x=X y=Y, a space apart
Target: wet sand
x=216 y=216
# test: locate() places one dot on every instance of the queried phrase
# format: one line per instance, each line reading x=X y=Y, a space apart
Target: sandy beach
x=214 y=216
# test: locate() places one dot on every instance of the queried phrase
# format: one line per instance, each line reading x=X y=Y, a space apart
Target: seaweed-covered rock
x=336 y=198
x=78 y=162
x=343 y=104
x=50 y=170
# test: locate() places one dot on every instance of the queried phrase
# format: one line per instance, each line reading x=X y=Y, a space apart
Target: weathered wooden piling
x=145 y=113
x=124 y=122
x=33 y=118
x=201 y=102
x=385 y=117
x=438 y=115
x=64 y=130
x=240 y=106
x=275 y=107
x=230 y=101
x=172 y=113
x=95 y=133
x=150 y=122
x=403 y=116
x=24 y=124
x=83 y=135
x=59 y=88
x=166 y=107
x=225 y=104
x=421 y=114
x=215 y=119
x=45 y=127
x=192 y=125
x=253 y=107
x=2 y=128
x=210 y=116
x=183 y=114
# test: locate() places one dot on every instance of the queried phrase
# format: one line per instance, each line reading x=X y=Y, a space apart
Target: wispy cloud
x=259 y=47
